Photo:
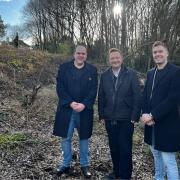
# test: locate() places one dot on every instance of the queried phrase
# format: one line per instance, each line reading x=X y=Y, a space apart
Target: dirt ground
x=36 y=155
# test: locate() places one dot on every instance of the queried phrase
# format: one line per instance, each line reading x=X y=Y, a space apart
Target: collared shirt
x=116 y=73
x=115 y=77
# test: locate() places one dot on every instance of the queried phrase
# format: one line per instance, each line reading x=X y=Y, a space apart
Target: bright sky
x=11 y=11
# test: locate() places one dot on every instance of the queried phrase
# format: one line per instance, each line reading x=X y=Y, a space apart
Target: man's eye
x=81 y=53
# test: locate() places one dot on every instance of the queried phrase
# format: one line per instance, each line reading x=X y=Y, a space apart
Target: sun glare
x=117 y=9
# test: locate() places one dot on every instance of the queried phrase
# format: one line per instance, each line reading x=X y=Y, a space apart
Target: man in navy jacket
x=160 y=113
x=119 y=107
x=76 y=89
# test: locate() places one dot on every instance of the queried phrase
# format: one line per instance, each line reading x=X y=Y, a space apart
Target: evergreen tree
x=16 y=41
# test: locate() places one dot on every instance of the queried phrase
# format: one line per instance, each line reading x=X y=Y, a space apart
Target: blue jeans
x=165 y=164
x=66 y=143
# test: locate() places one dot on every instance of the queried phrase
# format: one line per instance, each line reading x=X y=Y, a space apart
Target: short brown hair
x=159 y=43
x=111 y=50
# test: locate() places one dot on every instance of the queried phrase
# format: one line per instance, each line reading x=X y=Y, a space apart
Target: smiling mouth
x=158 y=58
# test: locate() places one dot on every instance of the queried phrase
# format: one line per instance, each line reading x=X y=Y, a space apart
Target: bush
x=65 y=48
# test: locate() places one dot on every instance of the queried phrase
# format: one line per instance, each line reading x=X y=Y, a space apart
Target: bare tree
x=93 y=22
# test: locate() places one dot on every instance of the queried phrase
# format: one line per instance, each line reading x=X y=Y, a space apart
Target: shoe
x=62 y=170
x=110 y=176
x=86 y=172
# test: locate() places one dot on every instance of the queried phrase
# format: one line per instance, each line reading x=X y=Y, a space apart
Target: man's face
x=160 y=54
x=80 y=55
x=115 y=60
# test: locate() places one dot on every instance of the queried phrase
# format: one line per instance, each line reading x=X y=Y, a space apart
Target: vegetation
x=10 y=139
x=16 y=41
x=133 y=28
x=28 y=98
x=2 y=27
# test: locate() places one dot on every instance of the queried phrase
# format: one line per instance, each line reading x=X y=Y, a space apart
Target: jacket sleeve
x=137 y=98
x=101 y=99
x=171 y=101
x=90 y=99
x=62 y=92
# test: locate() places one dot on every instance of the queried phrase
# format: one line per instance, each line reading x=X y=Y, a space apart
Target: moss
x=10 y=139
x=16 y=62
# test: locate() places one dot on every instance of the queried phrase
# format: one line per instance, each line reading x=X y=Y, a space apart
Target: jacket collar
x=121 y=76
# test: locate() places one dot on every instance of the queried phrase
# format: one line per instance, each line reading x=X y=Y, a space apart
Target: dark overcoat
x=65 y=85
x=122 y=103
x=164 y=108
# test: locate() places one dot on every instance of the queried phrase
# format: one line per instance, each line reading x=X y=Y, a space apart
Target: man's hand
x=150 y=123
x=73 y=105
x=147 y=119
x=79 y=107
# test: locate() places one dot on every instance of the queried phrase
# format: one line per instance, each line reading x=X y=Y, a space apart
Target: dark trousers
x=120 y=142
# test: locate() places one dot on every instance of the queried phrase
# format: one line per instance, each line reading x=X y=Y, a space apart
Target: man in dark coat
x=119 y=107
x=160 y=113
x=76 y=89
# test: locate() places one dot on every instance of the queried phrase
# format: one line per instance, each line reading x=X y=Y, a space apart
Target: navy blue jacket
x=164 y=108
x=65 y=85
x=122 y=104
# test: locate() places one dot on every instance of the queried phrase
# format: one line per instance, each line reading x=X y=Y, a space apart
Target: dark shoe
x=111 y=176
x=62 y=170
x=86 y=172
